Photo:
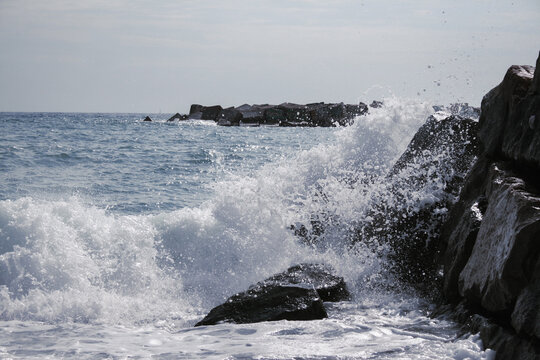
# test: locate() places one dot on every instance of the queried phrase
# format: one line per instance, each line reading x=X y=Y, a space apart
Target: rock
x=268 y=303
x=147 y=118
x=199 y=112
x=230 y=117
x=211 y=112
x=177 y=116
x=491 y=239
x=420 y=188
x=376 y=104
x=328 y=286
x=252 y=114
x=274 y=116
x=295 y=113
x=295 y=294
x=508 y=122
x=458 y=234
x=507 y=245
x=507 y=242
x=286 y=114
x=525 y=318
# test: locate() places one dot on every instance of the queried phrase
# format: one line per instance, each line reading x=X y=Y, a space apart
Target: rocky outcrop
x=296 y=294
x=491 y=240
x=286 y=114
x=419 y=189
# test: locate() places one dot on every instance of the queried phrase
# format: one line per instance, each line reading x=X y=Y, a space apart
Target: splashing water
x=70 y=264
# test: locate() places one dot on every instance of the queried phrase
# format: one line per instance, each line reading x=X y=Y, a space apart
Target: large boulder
x=510 y=120
x=296 y=294
x=211 y=112
x=230 y=117
x=420 y=188
x=274 y=116
x=507 y=245
x=252 y=114
x=268 y=303
x=199 y=112
x=491 y=239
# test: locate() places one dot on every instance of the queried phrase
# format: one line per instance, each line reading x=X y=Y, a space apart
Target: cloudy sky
x=161 y=56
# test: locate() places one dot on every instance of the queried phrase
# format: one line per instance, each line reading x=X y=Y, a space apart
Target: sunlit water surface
x=117 y=236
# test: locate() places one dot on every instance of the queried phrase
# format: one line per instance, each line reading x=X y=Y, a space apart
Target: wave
x=65 y=260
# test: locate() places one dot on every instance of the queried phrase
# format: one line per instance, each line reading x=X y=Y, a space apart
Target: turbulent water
x=117 y=236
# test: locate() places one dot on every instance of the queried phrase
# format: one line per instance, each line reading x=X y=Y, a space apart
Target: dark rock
x=195 y=108
x=178 y=116
x=230 y=117
x=295 y=113
x=508 y=126
x=491 y=239
x=199 y=112
x=268 y=303
x=147 y=118
x=251 y=114
x=507 y=245
x=211 y=112
x=420 y=188
x=356 y=110
x=274 y=116
x=296 y=294
x=525 y=317
x=376 y=104
x=319 y=276
x=286 y=114
x=458 y=234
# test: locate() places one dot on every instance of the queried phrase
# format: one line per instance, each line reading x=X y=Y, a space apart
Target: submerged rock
x=178 y=116
x=296 y=294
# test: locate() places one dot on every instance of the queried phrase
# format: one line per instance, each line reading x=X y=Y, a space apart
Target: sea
x=118 y=235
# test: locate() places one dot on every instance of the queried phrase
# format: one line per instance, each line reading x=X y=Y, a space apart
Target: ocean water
x=117 y=236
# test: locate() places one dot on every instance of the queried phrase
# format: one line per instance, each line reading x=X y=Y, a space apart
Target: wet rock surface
x=423 y=183
x=295 y=294
x=491 y=239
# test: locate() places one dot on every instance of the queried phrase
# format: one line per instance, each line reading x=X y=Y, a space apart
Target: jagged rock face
x=507 y=244
x=492 y=236
x=510 y=120
x=295 y=294
x=458 y=233
x=423 y=184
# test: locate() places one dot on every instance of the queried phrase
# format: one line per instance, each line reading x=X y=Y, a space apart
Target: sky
x=150 y=56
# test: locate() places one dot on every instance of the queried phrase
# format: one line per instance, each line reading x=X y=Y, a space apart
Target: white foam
x=68 y=261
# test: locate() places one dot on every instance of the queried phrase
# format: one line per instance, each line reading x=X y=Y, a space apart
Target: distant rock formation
x=295 y=294
x=286 y=114
x=491 y=240
x=178 y=116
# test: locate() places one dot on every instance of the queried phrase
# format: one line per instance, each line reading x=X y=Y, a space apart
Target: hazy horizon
x=146 y=57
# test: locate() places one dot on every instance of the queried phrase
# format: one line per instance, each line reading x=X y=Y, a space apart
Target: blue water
x=117 y=236
x=126 y=165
